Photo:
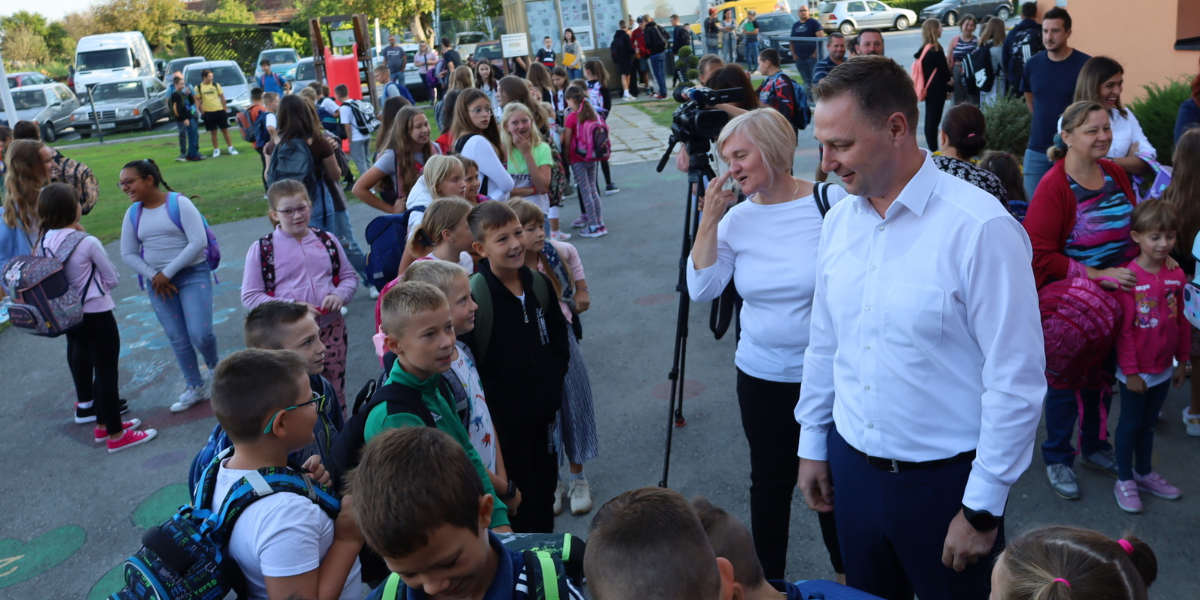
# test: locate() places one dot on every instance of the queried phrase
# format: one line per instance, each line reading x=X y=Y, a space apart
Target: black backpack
x=978 y=72
x=1025 y=45
x=293 y=159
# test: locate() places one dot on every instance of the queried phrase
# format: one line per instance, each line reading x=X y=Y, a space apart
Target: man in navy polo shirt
x=1049 y=87
x=805 y=53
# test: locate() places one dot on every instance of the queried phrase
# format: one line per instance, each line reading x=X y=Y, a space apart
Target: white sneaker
x=1192 y=422
x=559 y=236
x=189 y=398
x=558 y=497
x=627 y=95
x=232 y=151
x=374 y=293
x=216 y=152
x=345 y=311
x=581 y=497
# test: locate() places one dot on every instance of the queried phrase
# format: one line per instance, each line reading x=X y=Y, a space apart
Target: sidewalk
x=635 y=137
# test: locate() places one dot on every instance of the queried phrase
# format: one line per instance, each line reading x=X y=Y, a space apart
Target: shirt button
x=868 y=348
x=881 y=227
x=867 y=388
x=867 y=308
x=872 y=267
x=870 y=426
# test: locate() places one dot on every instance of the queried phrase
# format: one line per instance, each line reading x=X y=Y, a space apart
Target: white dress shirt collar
x=916 y=193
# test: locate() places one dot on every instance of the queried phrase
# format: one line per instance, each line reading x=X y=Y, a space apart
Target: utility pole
x=6 y=99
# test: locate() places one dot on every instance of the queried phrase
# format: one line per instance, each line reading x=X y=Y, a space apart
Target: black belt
x=898 y=466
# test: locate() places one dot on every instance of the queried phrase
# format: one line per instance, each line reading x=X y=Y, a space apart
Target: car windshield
x=487 y=52
x=178 y=65
x=12 y=82
x=279 y=57
x=775 y=23
x=225 y=76
x=306 y=71
x=29 y=99
x=96 y=60
x=472 y=38
x=114 y=92
x=826 y=7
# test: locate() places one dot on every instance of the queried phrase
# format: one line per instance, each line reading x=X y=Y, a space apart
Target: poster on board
x=515 y=44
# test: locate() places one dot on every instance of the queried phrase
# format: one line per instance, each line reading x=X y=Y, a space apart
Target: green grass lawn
x=660 y=112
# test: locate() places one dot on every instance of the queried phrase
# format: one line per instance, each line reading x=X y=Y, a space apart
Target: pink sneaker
x=1155 y=484
x=1127 y=496
x=100 y=434
x=130 y=438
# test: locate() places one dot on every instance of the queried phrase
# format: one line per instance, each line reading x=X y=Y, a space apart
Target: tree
x=154 y=18
x=225 y=11
x=33 y=22
x=23 y=46
x=79 y=24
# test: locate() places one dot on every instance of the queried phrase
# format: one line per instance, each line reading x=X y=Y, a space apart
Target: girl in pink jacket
x=303 y=264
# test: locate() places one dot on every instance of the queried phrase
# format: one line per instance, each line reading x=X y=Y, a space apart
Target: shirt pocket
x=913 y=316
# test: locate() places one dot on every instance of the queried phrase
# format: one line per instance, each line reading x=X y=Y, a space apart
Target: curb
x=120 y=141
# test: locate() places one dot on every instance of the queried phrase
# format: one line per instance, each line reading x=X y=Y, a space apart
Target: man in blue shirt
x=268 y=81
x=1049 y=87
x=805 y=53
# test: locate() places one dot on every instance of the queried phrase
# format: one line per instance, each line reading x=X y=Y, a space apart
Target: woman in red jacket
x=1078 y=223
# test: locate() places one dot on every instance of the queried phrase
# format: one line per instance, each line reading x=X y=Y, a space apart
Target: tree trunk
x=414 y=25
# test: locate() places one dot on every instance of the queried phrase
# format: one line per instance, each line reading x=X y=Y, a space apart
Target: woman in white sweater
x=1101 y=80
x=767 y=246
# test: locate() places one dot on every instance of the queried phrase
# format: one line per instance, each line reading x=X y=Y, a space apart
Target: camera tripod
x=698 y=169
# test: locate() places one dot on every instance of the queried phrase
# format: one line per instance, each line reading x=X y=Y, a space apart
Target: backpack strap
x=173 y=209
x=483 y=315
x=541 y=290
x=391 y=588
x=402 y=399
x=821 y=195
x=544 y=576
x=266 y=258
x=259 y=484
x=334 y=258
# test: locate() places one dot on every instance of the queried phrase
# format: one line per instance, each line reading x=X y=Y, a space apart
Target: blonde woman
x=757 y=241
x=937 y=78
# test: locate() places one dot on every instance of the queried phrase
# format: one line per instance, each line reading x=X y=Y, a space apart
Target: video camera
x=694 y=119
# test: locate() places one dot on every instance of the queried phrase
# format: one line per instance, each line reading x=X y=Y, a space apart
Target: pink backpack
x=918 y=75
x=1080 y=324
x=591 y=141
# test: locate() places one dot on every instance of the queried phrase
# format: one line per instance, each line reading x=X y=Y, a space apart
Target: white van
x=107 y=56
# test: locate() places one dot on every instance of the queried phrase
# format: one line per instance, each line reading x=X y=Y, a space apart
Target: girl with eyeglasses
x=171 y=258
x=477 y=137
x=307 y=265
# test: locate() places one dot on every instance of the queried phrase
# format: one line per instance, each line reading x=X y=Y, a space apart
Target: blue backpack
x=387 y=236
x=212 y=250
x=184 y=558
x=261 y=135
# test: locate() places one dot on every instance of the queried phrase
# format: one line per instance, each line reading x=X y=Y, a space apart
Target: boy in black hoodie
x=520 y=344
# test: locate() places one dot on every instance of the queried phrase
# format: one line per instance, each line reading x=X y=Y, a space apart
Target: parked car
x=177 y=65
x=229 y=75
x=466 y=41
x=124 y=105
x=776 y=23
x=16 y=80
x=124 y=55
x=951 y=12
x=283 y=62
x=741 y=7
x=493 y=53
x=848 y=16
x=304 y=74
x=48 y=104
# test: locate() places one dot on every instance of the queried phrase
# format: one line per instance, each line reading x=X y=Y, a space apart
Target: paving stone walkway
x=635 y=137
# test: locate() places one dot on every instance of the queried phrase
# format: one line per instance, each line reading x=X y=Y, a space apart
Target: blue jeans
x=187 y=319
x=805 y=67
x=1135 y=429
x=345 y=235
x=322 y=216
x=573 y=74
x=1062 y=409
x=712 y=47
x=189 y=138
x=658 y=65
x=1036 y=164
x=752 y=55
x=397 y=78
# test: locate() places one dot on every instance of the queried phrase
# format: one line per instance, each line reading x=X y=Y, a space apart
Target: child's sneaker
x=1192 y=422
x=558 y=497
x=88 y=415
x=1155 y=484
x=189 y=398
x=581 y=497
x=559 y=236
x=627 y=96
x=216 y=152
x=611 y=189
x=181 y=158
x=1127 y=496
x=1101 y=460
x=581 y=222
x=373 y=292
x=232 y=152
x=100 y=434
x=594 y=231
x=130 y=439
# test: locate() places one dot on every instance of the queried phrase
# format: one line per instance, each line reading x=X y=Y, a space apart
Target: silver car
x=48 y=104
x=124 y=105
x=849 y=16
x=228 y=75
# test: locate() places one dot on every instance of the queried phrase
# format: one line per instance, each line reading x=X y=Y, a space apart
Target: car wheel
x=847 y=28
x=48 y=133
x=147 y=125
x=951 y=19
x=901 y=23
x=1003 y=13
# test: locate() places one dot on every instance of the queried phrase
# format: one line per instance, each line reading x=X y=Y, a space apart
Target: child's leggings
x=92 y=352
x=1135 y=429
x=333 y=335
x=585 y=174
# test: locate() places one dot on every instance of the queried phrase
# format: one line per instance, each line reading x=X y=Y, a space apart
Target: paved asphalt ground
x=71 y=512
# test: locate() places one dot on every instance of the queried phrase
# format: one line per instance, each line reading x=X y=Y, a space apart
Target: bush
x=1156 y=112
x=914 y=5
x=1008 y=124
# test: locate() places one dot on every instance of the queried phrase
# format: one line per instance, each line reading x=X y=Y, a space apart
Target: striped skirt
x=577 y=419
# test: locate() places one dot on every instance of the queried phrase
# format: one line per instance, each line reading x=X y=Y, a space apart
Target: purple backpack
x=212 y=250
x=43 y=301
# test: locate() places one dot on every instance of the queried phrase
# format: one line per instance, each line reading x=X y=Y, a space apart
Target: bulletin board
x=607 y=13
x=577 y=17
x=543 y=21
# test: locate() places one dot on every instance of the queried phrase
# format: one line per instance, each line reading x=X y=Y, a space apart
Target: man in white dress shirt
x=924 y=374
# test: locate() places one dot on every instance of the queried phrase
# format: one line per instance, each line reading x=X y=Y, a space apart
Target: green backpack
x=483 y=315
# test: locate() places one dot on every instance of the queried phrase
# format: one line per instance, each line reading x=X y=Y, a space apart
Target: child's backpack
x=212 y=250
x=978 y=72
x=79 y=176
x=261 y=135
x=293 y=160
x=484 y=314
x=185 y=559
x=558 y=176
x=266 y=258
x=596 y=97
x=246 y=120
x=831 y=590
x=592 y=142
x=1025 y=45
x=1080 y=323
x=787 y=97
x=387 y=236
x=364 y=116
x=542 y=553
x=920 y=80
x=44 y=303
x=329 y=121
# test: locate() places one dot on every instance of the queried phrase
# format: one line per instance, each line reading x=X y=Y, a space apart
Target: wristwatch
x=510 y=493
x=981 y=520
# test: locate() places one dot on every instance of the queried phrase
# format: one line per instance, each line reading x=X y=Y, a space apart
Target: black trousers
x=532 y=464
x=935 y=105
x=768 y=418
x=263 y=158
x=92 y=352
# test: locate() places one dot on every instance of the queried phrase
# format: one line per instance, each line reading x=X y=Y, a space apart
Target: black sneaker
x=88 y=415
